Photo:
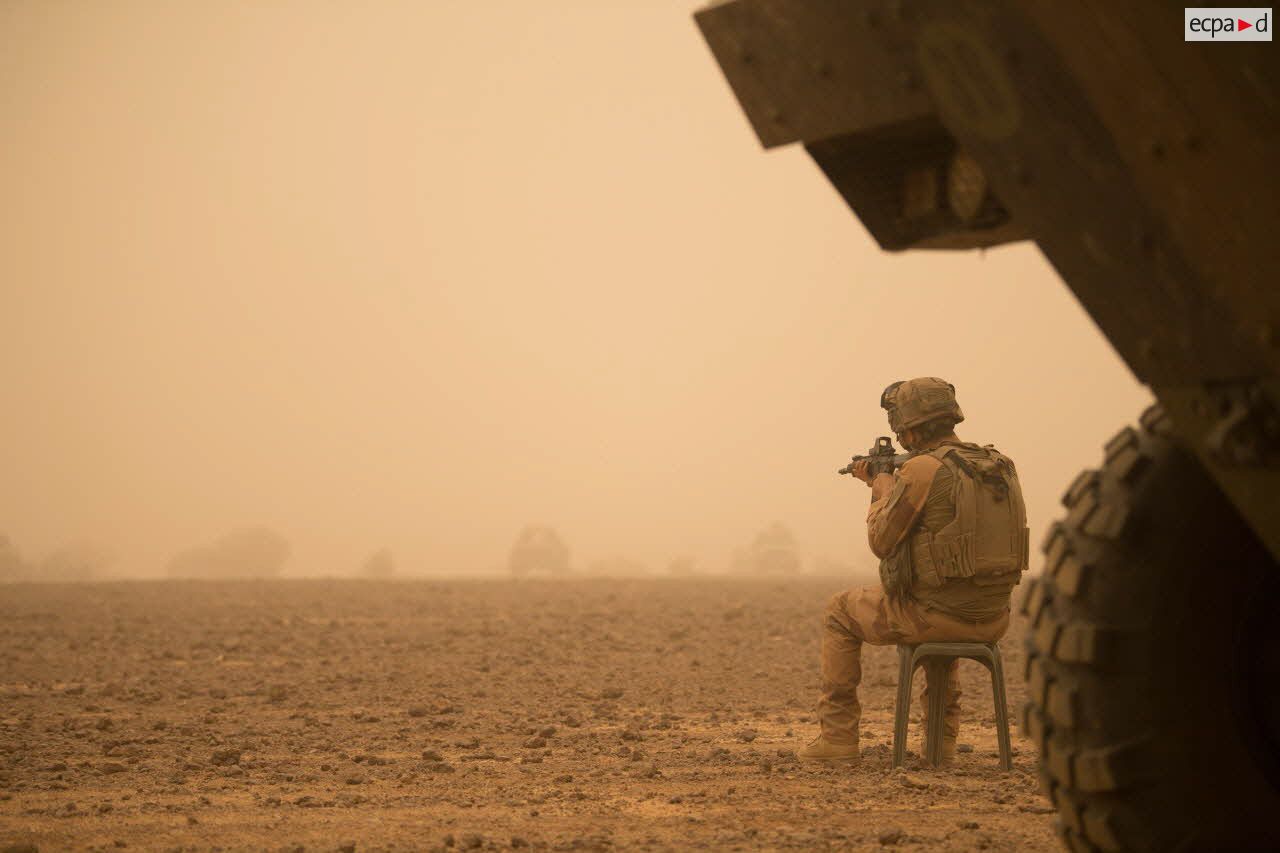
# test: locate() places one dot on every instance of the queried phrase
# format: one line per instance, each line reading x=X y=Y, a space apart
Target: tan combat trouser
x=867 y=616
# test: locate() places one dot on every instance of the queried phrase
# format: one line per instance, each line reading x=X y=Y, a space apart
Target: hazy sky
x=413 y=274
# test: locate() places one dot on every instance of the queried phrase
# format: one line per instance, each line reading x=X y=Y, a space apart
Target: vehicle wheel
x=1153 y=667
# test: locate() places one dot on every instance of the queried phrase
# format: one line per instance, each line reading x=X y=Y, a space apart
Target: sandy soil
x=349 y=715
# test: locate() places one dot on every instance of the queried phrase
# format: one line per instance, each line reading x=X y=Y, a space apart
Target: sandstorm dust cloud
x=406 y=278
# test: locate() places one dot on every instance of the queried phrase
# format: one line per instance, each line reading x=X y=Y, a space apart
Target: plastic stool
x=936 y=658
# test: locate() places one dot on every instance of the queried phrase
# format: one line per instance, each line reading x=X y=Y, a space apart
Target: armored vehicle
x=773 y=551
x=538 y=549
x=1144 y=167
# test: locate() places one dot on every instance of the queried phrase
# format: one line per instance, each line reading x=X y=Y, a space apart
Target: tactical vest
x=988 y=540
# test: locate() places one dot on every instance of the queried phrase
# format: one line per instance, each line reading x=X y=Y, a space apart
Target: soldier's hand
x=862 y=472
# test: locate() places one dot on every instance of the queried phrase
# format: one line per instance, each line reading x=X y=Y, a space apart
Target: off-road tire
x=1151 y=664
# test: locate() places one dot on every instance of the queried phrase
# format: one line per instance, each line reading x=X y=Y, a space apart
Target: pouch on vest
x=896 y=572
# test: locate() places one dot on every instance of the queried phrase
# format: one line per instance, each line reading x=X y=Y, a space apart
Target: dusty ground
x=589 y=714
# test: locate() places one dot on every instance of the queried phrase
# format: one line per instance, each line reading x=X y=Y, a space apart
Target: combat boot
x=821 y=749
x=948 y=750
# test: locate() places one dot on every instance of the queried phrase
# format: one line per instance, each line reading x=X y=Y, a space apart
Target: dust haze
x=394 y=281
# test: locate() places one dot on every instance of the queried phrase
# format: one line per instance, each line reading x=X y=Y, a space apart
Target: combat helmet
x=917 y=401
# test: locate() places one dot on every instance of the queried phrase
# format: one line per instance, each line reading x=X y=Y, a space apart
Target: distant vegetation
x=76 y=562
x=617 y=566
x=12 y=566
x=255 y=552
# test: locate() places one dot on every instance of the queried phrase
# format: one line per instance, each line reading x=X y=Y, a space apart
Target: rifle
x=882 y=458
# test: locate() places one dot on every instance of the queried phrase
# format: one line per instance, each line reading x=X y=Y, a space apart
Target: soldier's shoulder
x=996 y=454
x=922 y=466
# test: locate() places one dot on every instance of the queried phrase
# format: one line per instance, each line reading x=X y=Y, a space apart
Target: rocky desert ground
x=327 y=715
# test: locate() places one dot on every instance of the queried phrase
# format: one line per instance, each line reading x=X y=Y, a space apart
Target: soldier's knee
x=836 y=618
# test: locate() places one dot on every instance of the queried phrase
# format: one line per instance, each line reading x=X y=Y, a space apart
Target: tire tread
x=1069 y=652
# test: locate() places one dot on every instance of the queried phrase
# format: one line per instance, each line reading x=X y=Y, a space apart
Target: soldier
x=950 y=531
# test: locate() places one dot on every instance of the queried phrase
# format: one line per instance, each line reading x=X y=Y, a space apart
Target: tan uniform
x=961 y=570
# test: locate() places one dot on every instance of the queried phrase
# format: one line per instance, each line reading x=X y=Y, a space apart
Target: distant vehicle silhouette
x=379 y=565
x=773 y=551
x=538 y=549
